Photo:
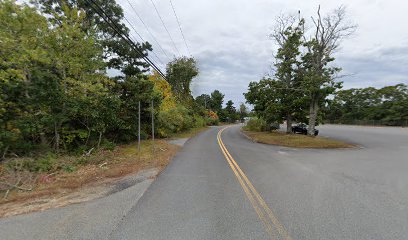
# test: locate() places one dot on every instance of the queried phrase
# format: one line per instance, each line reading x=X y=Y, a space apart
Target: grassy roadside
x=102 y=166
x=295 y=140
x=95 y=172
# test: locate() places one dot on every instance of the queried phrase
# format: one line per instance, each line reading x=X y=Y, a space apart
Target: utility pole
x=138 y=133
x=153 y=127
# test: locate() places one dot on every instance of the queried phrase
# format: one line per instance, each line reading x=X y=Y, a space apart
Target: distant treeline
x=371 y=106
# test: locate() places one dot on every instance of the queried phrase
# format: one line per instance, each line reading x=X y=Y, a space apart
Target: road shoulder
x=104 y=179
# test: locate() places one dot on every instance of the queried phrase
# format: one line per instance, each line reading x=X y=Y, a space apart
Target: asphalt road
x=232 y=188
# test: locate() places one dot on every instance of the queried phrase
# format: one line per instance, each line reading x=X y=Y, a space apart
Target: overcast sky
x=229 y=39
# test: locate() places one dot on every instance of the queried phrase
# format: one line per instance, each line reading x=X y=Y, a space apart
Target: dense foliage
x=304 y=74
x=213 y=104
x=387 y=105
x=256 y=125
x=180 y=73
x=56 y=95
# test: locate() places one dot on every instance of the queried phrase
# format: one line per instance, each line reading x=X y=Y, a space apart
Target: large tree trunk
x=289 y=123
x=314 y=108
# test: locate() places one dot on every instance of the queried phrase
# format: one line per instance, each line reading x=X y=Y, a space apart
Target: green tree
x=231 y=111
x=243 y=111
x=117 y=52
x=288 y=96
x=180 y=73
x=21 y=34
x=54 y=90
x=217 y=99
x=388 y=105
x=204 y=100
x=265 y=96
x=394 y=106
x=131 y=91
x=58 y=93
x=78 y=65
x=318 y=74
x=282 y=98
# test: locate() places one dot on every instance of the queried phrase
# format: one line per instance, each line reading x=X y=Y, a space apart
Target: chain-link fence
x=396 y=123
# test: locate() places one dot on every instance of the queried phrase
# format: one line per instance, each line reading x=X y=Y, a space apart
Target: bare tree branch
x=343 y=75
x=282 y=23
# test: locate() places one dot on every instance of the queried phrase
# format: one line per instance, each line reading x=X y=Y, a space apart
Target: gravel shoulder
x=94 y=219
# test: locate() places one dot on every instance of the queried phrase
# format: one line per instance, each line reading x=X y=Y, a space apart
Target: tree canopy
x=387 y=105
x=56 y=94
x=217 y=99
x=304 y=74
x=281 y=99
x=180 y=73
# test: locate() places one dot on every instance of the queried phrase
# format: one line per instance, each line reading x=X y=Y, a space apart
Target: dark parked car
x=302 y=129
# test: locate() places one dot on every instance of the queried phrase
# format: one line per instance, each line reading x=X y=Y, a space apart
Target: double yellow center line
x=265 y=214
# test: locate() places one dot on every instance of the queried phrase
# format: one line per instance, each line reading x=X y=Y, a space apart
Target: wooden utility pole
x=138 y=133
x=153 y=128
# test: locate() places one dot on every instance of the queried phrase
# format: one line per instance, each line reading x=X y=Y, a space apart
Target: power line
x=122 y=35
x=151 y=34
x=164 y=25
x=133 y=29
x=178 y=22
x=130 y=24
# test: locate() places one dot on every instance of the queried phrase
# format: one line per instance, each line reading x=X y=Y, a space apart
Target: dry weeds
x=101 y=168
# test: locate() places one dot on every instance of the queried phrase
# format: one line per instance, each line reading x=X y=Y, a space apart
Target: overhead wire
x=141 y=38
x=164 y=25
x=178 y=22
x=148 y=30
x=123 y=35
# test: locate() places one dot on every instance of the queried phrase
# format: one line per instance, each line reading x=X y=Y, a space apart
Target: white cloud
x=229 y=39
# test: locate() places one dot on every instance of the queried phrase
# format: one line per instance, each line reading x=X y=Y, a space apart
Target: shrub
x=45 y=164
x=212 y=121
x=107 y=145
x=82 y=160
x=69 y=168
x=199 y=121
x=173 y=121
x=256 y=124
x=21 y=164
x=212 y=118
